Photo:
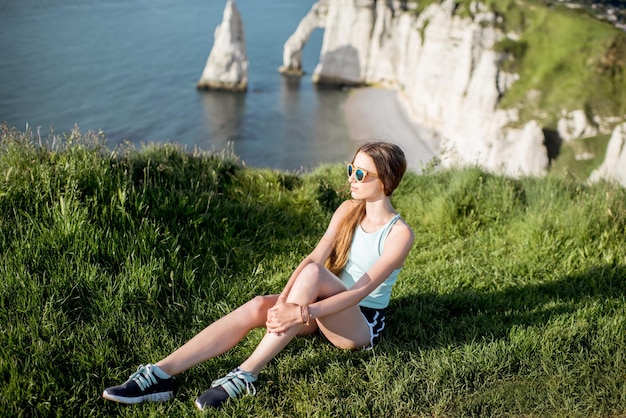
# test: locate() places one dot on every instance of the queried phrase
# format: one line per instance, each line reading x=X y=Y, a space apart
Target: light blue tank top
x=365 y=249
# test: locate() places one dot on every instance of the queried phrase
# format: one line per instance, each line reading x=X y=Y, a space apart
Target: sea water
x=129 y=68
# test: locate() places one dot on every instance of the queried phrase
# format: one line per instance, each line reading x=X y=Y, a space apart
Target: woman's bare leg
x=220 y=336
x=346 y=329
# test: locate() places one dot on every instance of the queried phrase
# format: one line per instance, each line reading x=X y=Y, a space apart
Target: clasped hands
x=282 y=316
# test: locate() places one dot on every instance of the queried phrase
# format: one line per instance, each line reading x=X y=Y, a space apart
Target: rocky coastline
x=445 y=69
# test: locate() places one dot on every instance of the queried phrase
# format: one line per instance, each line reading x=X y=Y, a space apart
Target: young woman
x=341 y=289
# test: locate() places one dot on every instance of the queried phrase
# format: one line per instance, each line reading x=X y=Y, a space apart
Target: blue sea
x=129 y=68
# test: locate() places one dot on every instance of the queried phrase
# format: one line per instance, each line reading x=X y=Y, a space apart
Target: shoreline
x=376 y=113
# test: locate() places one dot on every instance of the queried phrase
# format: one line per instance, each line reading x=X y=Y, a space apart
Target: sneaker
x=148 y=384
x=230 y=386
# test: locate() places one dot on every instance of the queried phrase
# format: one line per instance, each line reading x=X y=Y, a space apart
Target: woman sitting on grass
x=341 y=289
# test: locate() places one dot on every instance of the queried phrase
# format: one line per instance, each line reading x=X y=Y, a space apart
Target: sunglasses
x=359 y=173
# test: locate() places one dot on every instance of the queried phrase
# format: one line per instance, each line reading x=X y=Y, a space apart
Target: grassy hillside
x=512 y=302
x=569 y=60
x=566 y=60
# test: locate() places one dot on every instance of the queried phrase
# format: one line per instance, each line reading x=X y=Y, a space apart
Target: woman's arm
x=323 y=248
x=396 y=249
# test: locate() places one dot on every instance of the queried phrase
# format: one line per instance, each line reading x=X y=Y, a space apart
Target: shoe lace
x=143 y=377
x=235 y=382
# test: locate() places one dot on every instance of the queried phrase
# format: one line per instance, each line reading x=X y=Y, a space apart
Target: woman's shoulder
x=402 y=229
x=346 y=206
x=344 y=209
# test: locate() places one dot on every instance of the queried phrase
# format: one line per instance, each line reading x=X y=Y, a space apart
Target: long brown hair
x=390 y=165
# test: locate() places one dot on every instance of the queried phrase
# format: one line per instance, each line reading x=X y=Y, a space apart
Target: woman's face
x=371 y=186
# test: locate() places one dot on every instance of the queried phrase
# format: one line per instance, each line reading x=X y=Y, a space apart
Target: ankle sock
x=159 y=372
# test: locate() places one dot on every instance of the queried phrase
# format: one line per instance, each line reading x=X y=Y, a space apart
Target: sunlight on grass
x=512 y=302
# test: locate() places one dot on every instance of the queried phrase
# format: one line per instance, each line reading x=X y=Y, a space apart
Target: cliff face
x=444 y=67
x=448 y=76
x=614 y=166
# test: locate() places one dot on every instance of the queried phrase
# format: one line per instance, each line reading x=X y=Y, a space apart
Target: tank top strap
x=385 y=232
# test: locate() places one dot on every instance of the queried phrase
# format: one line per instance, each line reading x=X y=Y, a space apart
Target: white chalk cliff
x=227 y=65
x=292 y=50
x=444 y=67
x=614 y=166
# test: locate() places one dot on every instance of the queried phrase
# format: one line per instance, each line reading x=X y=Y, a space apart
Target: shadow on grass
x=465 y=315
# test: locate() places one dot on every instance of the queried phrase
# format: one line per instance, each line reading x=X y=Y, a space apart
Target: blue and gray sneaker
x=230 y=386
x=148 y=384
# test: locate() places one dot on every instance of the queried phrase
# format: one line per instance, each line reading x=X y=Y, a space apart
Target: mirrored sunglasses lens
x=349 y=170
x=359 y=175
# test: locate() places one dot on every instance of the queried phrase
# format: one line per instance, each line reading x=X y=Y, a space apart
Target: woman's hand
x=282 y=316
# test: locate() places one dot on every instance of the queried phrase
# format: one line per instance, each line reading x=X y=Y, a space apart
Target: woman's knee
x=308 y=278
x=256 y=308
x=316 y=278
x=312 y=271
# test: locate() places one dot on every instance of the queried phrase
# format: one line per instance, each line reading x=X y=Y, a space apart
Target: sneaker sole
x=152 y=397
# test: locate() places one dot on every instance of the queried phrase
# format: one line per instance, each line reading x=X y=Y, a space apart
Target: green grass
x=512 y=302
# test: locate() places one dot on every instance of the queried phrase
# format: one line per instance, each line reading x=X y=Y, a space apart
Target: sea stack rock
x=227 y=66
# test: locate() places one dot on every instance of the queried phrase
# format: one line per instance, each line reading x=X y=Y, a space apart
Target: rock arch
x=292 y=50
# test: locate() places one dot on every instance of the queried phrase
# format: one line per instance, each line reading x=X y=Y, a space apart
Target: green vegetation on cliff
x=512 y=303
x=565 y=57
x=567 y=60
